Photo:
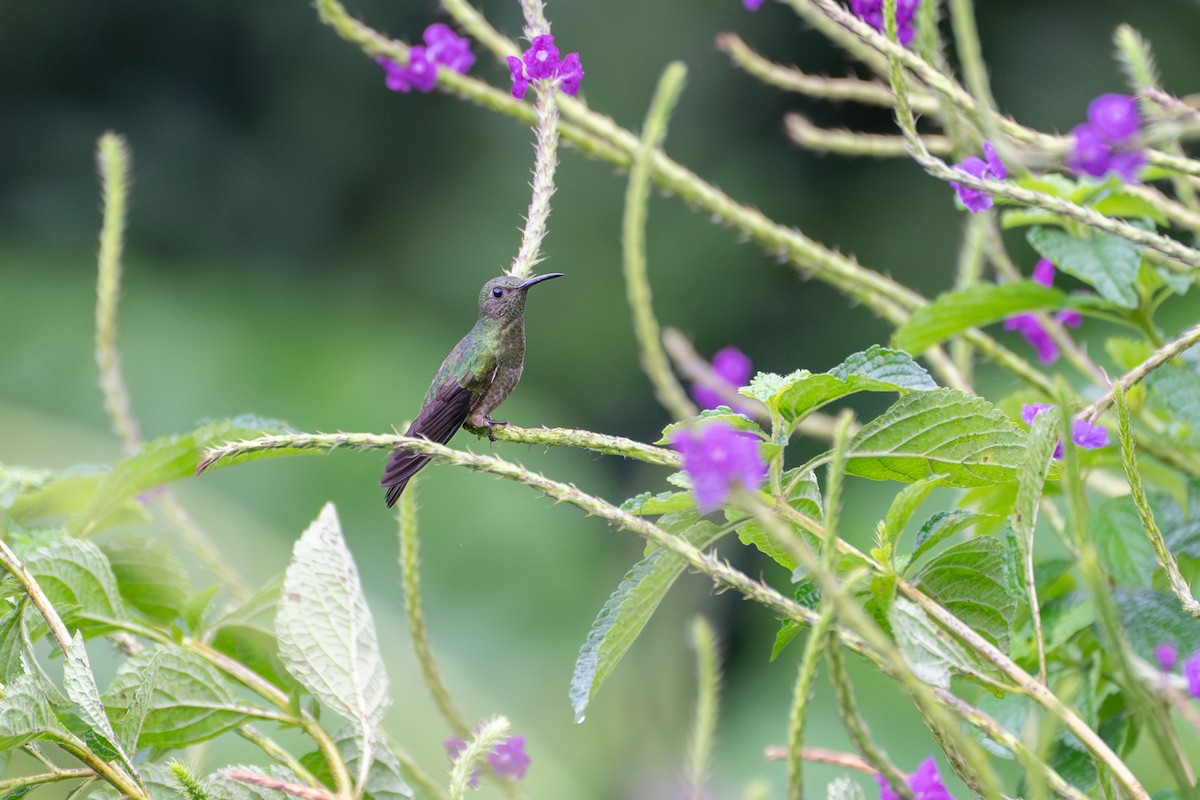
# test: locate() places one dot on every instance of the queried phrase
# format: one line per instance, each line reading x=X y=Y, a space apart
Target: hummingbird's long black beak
x=539 y=279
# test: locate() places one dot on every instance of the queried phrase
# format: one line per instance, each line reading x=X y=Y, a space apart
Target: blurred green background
x=304 y=244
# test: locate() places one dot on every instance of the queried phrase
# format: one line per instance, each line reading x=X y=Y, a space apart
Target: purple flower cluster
x=507 y=759
x=1167 y=656
x=442 y=47
x=541 y=62
x=733 y=367
x=871 y=12
x=1104 y=143
x=990 y=166
x=716 y=457
x=1083 y=433
x=1028 y=326
x=925 y=783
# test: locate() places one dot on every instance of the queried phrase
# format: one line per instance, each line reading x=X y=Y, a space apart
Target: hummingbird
x=477 y=376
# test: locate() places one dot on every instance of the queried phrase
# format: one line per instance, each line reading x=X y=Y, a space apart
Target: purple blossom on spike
x=1167 y=656
x=454 y=747
x=716 y=457
x=541 y=59
x=1114 y=117
x=1103 y=144
x=734 y=367
x=447 y=48
x=925 y=783
x=1087 y=435
x=570 y=72
x=1038 y=337
x=395 y=75
x=1191 y=672
x=1043 y=272
x=520 y=83
x=1029 y=411
x=422 y=70
x=752 y=5
x=871 y=12
x=508 y=758
x=991 y=167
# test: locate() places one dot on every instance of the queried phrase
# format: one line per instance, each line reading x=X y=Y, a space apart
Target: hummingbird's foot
x=488 y=423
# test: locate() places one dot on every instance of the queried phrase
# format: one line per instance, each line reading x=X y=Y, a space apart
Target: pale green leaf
x=157 y=778
x=326 y=634
x=247 y=634
x=1175 y=392
x=191 y=701
x=649 y=504
x=1107 y=263
x=1151 y=618
x=26 y=714
x=80 y=684
x=944 y=432
x=954 y=312
x=129 y=727
x=79 y=582
x=843 y=788
x=1125 y=552
x=1123 y=204
x=384 y=781
x=928 y=651
x=12 y=643
x=149 y=576
x=627 y=611
x=218 y=787
x=876 y=369
x=805 y=497
x=977 y=582
x=904 y=505
x=721 y=414
x=945 y=524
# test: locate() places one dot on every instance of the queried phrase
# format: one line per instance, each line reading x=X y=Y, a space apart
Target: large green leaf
x=630 y=607
x=1126 y=553
x=944 y=432
x=247 y=634
x=876 y=369
x=160 y=462
x=1175 y=391
x=805 y=497
x=191 y=701
x=26 y=714
x=979 y=305
x=79 y=582
x=149 y=576
x=80 y=684
x=326 y=634
x=977 y=582
x=1107 y=263
x=1151 y=618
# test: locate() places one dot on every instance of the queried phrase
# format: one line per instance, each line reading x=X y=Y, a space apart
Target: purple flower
x=1167 y=656
x=715 y=457
x=396 y=76
x=447 y=48
x=507 y=759
x=871 y=12
x=733 y=367
x=1083 y=433
x=1043 y=272
x=974 y=199
x=1103 y=144
x=541 y=62
x=1191 y=672
x=520 y=83
x=752 y=5
x=925 y=783
x=1028 y=325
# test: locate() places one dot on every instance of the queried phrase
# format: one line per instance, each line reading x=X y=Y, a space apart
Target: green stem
x=800 y=701
x=708 y=687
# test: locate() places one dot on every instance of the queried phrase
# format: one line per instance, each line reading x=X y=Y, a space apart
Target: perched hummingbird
x=478 y=374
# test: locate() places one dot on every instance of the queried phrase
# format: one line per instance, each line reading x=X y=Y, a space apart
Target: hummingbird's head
x=504 y=297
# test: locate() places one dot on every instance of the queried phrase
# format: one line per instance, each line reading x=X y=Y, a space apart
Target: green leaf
x=25 y=714
x=1107 y=263
x=805 y=497
x=1180 y=524
x=12 y=643
x=1175 y=392
x=157 y=778
x=1123 y=204
x=979 y=305
x=65 y=495
x=627 y=611
x=160 y=462
x=722 y=414
x=1151 y=618
x=977 y=582
x=384 y=781
x=648 y=504
x=218 y=787
x=79 y=582
x=904 y=505
x=80 y=684
x=944 y=432
x=945 y=524
x=247 y=634
x=129 y=727
x=807 y=595
x=928 y=651
x=191 y=701
x=876 y=369
x=1121 y=542
x=149 y=576
x=326 y=635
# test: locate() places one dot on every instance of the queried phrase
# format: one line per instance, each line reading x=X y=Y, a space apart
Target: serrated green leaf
x=1151 y=618
x=738 y=422
x=149 y=576
x=945 y=524
x=1175 y=392
x=877 y=369
x=129 y=727
x=944 y=432
x=157 y=778
x=974 y=307
x=12 y=643
x=191 y=701
x=1179 y=521
x=384 y=781
x=765 y=385
x=977 y=582
x=79 y=582
x=807 y=595
x=80 y=684
x=159 y=462
x=929 y=652
x=1107 y=263
x=16 y=481
x=1121 y=543
x=218 y=787
x=1011 y=712
x=25 y=714
x=326 y=634
x=805 y=497
x=649 y=504
x=626 y=613
x=1128 y=206
x=247 y=634
x=904 y=505
x=64 y=496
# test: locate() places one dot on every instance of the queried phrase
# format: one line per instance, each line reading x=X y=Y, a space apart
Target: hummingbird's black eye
x=497 y=292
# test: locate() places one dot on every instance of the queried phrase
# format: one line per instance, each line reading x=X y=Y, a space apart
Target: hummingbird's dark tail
x=437 y=422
